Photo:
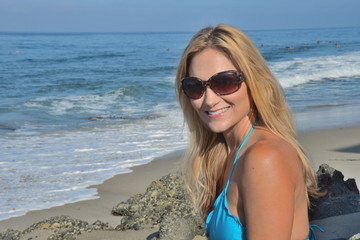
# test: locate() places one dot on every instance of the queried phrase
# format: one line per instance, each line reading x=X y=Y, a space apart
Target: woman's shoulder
x=271 y=155
x=269 y=146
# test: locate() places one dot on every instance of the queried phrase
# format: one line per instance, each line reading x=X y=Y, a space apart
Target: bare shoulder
x=268 y=184
x=271 y=159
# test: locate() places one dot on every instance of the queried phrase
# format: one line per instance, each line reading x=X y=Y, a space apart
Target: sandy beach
x=112 y=191
x=339 y=148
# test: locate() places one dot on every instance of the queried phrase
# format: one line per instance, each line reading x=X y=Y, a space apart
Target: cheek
x=243 y=92
x=196 y=104
x=240 y=99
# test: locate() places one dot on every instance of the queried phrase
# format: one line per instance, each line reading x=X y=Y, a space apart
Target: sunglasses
x=222 y=83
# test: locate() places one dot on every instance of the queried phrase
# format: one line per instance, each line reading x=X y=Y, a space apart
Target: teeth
x=218 y=111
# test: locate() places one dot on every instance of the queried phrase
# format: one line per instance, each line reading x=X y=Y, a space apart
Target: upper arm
x=268 y=192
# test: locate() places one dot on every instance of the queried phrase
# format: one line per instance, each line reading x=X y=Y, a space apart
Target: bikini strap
x=237 y=154
x=312 y=235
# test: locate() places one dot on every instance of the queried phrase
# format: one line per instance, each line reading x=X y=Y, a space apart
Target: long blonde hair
x=207 y=151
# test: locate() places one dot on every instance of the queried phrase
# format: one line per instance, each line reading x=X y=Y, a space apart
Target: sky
x=173 y=15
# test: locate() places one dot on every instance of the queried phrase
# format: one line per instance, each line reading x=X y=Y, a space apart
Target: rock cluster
x=166 y=205
x=64 y=227
x=342 y=197
x=10 y=234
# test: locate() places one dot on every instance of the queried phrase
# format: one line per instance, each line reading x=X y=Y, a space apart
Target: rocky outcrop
x=10 y=234
x=166 y=205
x=341 y=197
x=64 y=227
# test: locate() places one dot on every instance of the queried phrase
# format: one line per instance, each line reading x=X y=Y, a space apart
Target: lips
x=216 y=113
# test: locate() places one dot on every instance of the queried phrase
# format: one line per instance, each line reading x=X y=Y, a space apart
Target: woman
x=249 y=174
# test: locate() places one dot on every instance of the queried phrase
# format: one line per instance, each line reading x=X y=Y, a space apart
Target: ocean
x=79 y=108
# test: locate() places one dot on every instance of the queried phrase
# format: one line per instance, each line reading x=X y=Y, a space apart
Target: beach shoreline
x=109 y=193
x=324 y=117
x=338 y=147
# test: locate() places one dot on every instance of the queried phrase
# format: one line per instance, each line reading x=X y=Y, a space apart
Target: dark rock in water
x=8 y=128
x=342 y=197
x=166 y=205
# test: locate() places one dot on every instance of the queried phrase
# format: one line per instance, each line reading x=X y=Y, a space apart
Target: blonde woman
x=248 y=173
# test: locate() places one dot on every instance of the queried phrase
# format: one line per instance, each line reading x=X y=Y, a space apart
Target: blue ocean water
x=76 y=109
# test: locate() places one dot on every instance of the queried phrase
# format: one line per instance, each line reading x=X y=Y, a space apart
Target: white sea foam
x=84 y=150
x=91 y=104
x=55 y=168
x=302 y=70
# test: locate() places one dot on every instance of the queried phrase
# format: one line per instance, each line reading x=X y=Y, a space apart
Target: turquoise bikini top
x=221 y=224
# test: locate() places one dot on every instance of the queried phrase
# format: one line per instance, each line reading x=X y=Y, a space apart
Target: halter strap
x=312 y=235
x=237 y=154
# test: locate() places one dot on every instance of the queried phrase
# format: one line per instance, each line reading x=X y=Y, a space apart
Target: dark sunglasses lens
x=192 y=87
x=225 y=83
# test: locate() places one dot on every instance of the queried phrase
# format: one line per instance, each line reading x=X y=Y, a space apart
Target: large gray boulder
x=166 y=205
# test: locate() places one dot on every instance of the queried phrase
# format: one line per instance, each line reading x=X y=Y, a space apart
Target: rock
x=166 y=205
x=64 y=227
x=355 y=237
x=342 y=197
x=10 y=234
x=200 y=238
x=175 y=226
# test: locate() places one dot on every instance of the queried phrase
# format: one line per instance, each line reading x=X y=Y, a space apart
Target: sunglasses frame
x=207 y=83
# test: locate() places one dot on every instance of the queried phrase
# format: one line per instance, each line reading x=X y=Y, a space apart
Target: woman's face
x=219 y=113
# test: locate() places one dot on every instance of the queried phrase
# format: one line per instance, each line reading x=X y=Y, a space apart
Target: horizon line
x=156 y=32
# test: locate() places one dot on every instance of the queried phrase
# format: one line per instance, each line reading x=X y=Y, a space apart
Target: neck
x=235 y=136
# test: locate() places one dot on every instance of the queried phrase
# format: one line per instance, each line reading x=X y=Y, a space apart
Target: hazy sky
x=171 y=15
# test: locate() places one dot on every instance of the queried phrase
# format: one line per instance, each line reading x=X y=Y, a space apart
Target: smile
x=217 y=113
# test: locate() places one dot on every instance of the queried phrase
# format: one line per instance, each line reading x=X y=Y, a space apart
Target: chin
x=216 y=128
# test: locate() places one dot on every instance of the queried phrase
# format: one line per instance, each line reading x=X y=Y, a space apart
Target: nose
x=210 y=97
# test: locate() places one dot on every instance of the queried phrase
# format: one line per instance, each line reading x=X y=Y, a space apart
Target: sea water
x=78 y=108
